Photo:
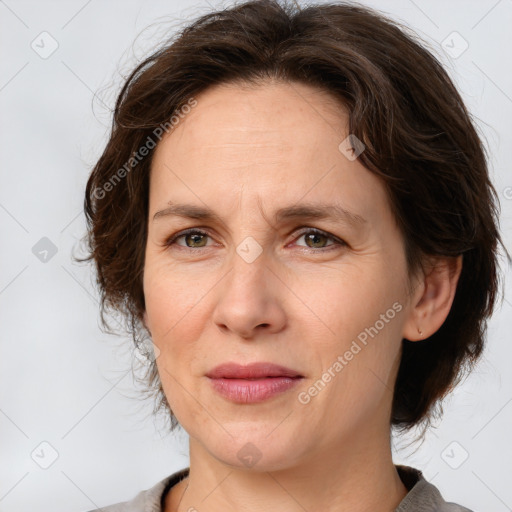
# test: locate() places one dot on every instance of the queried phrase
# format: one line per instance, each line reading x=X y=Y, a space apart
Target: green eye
x=197 y=239
x=194 y=236
x=314 y=239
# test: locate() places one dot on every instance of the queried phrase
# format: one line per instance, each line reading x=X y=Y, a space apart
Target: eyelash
x=338 y=242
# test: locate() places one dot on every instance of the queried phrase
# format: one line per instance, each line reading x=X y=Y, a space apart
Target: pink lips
x=253 y=383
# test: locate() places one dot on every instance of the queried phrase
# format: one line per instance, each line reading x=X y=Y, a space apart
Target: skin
x=244 y=152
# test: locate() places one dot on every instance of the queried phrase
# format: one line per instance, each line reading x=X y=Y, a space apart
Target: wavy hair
x=420 y=140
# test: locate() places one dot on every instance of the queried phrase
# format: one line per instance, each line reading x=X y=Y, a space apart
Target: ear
x=432 y=297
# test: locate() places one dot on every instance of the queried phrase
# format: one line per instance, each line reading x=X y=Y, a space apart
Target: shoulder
x=148 y=500
x=423 y=495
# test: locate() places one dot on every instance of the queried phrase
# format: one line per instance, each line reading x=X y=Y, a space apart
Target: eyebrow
x=294 y=212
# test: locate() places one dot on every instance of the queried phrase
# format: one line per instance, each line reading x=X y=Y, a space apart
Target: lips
x=253 y=383
x=253 y=371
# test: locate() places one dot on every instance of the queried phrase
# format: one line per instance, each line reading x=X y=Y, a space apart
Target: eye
x=197 y=239
x=315 y=239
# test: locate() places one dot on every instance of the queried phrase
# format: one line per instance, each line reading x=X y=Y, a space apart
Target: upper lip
x=251 y=371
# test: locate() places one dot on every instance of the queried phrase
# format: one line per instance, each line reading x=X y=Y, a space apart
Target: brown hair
x=419 y=139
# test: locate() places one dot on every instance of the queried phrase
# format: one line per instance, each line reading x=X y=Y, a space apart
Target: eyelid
x=303 y=230
x=328 y=235
x=171 y=239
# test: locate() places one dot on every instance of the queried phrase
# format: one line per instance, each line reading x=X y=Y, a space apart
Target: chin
x=255 y=452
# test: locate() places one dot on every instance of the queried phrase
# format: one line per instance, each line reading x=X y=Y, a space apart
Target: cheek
x=343 y=301
x=178 y=303
x=175 y=312
x=359 y=309
x=359 y=355
x=169 y=296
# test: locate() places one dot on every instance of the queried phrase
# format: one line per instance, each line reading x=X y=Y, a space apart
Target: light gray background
x=66 y=383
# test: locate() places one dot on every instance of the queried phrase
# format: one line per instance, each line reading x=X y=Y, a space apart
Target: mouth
x=252 y=383
x=253 y=371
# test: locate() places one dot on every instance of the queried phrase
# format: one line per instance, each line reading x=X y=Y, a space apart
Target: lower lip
x=246 y=391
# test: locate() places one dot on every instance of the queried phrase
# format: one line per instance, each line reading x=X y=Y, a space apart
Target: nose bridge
x=245 y=301
x=249 y=266
x=252 y=255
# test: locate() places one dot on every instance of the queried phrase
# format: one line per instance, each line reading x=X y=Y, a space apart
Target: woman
x=295 y=206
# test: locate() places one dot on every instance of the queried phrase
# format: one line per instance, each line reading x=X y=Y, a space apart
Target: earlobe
x=432 y=302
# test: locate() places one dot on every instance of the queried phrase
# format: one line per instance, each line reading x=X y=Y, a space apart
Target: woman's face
x=257 y=284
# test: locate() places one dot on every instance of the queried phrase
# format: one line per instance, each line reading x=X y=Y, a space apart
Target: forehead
x=270 y=143
x=268 y=112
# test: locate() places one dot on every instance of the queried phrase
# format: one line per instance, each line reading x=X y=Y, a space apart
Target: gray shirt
x=422 y=495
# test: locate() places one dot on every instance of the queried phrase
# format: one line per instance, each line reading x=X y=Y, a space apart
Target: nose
x=250 y=299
